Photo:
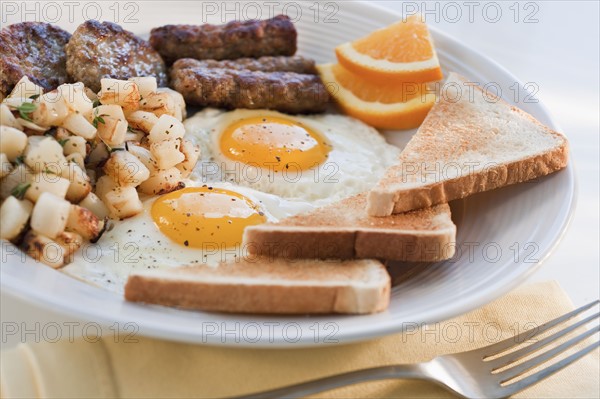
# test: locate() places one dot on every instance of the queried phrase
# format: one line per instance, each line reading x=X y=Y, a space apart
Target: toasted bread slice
x=261 y=285
x=343 y=230
x=469 y=142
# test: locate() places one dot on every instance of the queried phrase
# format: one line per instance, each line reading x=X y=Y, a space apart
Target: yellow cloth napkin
x=160 y=369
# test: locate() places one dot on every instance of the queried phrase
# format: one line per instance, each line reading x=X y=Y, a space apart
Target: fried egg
x=257 y=167
x=320 y=158
x=200 y=224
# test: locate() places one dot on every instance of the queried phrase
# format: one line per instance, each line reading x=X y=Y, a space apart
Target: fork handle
x=410 y=371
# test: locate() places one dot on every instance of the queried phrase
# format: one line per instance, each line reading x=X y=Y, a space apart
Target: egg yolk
x=199 y=216
x=274 y=143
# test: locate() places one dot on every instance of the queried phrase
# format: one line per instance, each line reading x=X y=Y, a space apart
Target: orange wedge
x=392 y=106
x=402 y=52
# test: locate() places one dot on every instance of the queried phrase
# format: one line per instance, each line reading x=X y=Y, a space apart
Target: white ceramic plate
x=510 y=231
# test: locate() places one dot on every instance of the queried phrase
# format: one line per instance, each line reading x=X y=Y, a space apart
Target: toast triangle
x=343 y=230
x=470 y=142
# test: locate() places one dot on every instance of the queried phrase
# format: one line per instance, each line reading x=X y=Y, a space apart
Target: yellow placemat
x=160 y=369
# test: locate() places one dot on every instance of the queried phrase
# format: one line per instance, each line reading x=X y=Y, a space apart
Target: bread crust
x=395 y=199
x=272 y=298
x=421 y=236
x=406 y=247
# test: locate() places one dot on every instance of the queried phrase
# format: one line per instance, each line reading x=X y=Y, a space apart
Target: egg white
x=358 y=158
x=136 y=243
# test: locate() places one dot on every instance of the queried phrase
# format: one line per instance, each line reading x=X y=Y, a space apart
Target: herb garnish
x=25 y=110
x=98 y=119
x=19 y=190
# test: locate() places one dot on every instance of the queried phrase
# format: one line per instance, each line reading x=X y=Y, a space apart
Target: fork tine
x=508 y=343
x=547 y=372
x=531 y=363
x=521 y=353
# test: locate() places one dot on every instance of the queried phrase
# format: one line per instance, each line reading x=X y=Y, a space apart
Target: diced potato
x=142 y=120
x=80 y=183
x=78 y=190
x=180 y=111
x=44 y=154
x=43 y=182
x=75 y=144
x=167 y=153
x=77 y=100
x=144 y=155
x=104 y=185
x=77 y=159
x=83 y=221
x=159 y=104
x=146 y=84
x=8 y=119
x=120 y=92
x=33 y=141
x=19 y=175
x=112 y=131
x=111 y=110
x=5 y=165
x=98 y=154
x=50 y=214
x=191 y=153
x=126 y=169
x=95 y=204
x=12 y=142
x=32 y=127
x=167 y=127
x=123 y=202
x=25 y=88
x=79 y=125
x=70 y=242
x=162 y=182
x=14 y=214
x=16 y=102
x=51 y=109
x=44 y=249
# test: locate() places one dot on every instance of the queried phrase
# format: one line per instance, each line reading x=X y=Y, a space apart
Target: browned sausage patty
x=106 y=50
x=236 y=39
x=296 y=64
x=35 y=49
x=229 y=88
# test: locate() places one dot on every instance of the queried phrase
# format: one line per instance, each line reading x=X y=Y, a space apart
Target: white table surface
x=560 y=53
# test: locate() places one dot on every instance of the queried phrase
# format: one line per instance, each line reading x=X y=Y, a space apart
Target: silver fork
x=470 y=374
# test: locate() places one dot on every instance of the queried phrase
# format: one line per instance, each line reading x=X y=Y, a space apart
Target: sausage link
x=228 y=88
x=236 y=39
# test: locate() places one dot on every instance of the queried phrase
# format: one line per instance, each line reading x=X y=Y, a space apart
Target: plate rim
x=357 y=333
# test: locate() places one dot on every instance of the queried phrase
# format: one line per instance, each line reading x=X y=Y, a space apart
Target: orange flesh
x=406 y=41
x=367 y=90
